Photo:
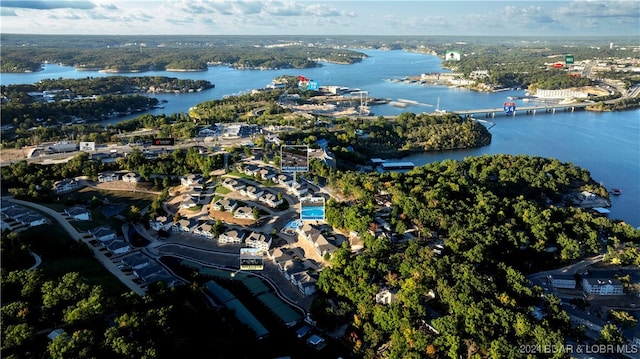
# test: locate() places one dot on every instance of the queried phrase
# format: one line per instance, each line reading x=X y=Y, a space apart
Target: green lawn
x=109 y=199
x=61 y=255
x=222 y=190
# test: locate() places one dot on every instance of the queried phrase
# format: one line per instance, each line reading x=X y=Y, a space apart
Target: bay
x=606 y=144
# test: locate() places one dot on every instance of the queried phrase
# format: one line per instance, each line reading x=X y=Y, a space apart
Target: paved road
x=568 y=270
x=77 y=236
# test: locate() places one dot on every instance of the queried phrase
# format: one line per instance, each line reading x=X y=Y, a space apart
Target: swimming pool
x=312 y=213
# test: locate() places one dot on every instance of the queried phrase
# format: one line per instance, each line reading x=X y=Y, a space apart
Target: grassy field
x=60 y=255
x=109 y=204
x=222 y=190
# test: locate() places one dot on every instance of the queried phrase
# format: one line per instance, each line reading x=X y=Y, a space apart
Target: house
x=251 y=170
x=258 y=240
x=252 y=192
x=117 y=246
x=225 y=204
x=602 y=286
x=244 y=212
x=233 y=184
x=231 y=236
x=103 y=233
x=192 y=180
x=270 y=199
x=15 y=212
x=190 y=199
x=281 y=255
x=131 y=177
x=160 y=223
x=183 y=225
x=283 y=179
x=207 y=132
x=147 y=271
x=267 y=174
x=578 y=317
x=562 y=281
x=32 y=219
x=298 y=189
x=386 y=296
x=66 y=185
x=110 y=176
x=203 y=230
x=136 y=260
x=305 y=282
x=291 y=267
x=78 y=213
x=317 y=239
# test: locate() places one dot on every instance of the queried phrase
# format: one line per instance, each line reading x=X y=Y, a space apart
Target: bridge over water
x=532 y=110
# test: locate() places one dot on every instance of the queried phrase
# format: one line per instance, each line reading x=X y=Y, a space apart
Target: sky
x=328 y=17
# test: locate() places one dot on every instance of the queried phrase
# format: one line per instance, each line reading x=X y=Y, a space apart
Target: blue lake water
x=607 y=144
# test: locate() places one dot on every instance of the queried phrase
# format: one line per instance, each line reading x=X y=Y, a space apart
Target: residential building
x=32 y=219
x=578 y=317
x=108 y=177
x=15 y=212
x=252 y=192
x=183 y=225
x=203 y=230
x=225 y=204
x=117 y=246
x=233 y=184
x=267 y=174
x=192 y=180
x=317 y=239
x=131 y=177
x=231 y=236
x=258 y=240
x=66 y=185
x=602 y=286
x=145 y=273
x=78 y=213
x=562 y=281
x=135 y=260
x=305 y=282
x=386 y=296
x=244 y=212
x=161 y=223
x=270 y=199
x=103 y=233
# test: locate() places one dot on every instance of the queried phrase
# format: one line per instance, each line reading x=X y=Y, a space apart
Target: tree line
x=138 y=58
x=498 y=218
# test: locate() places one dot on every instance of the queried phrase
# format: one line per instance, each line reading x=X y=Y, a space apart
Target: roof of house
x=102 y=231
x=76 y=210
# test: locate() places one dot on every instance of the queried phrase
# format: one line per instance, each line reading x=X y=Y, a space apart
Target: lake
x=607 y=144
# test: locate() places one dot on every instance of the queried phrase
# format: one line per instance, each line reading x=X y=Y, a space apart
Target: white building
x=231 y=236
x=258 y=240
x=66 y=185
x=78 y=213
x=602 y=286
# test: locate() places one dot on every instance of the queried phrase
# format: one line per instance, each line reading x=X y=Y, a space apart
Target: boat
x=616 y=191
